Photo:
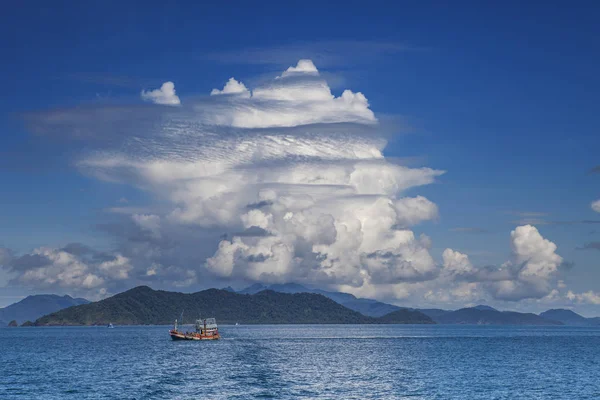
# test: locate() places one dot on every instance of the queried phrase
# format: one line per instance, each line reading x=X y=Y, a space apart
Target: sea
x=302 y=361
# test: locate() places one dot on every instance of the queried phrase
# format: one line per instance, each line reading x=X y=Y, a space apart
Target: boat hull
x=176 y=335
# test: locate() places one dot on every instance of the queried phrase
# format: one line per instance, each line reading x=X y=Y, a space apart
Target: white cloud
x=165 y=95
x=534 y=269
x=288 y=183
x=74 y=268
x=298 y=97
x=413 y=210
x=596 y=206
x=232 y=87
x=532 y=273
x=149 y=223
x=58 y=268
x=588 y=297
x=118 y=268
x=538 y=254
x=304 y=67
x=329 y=206
x=457 y=263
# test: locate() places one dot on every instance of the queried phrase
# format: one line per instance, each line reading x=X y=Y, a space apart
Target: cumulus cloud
x=48 y=267
x=294 y=177
x=537 y=254
x=118 y=268
x=413 y=210
x=303 y=67
x=284 y=182
x=232 y=87
x=596 y=206
x=589 y=297
x=457 y=263
x=297 y=97
x=76 y=268
x=531 y=273
x=165 y=95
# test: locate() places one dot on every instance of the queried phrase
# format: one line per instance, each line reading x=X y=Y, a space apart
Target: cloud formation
x=165 y=95
x=531 y=273
x=535 y=264
x=292 y=175
x=232 y=87
x=330 y=53
x=589 y=297
x=590 y=246
x=297 y=97
x=595 y=170
x=49 y=268
x=283 y=182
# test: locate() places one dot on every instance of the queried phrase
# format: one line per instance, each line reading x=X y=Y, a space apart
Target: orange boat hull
x=176 y=335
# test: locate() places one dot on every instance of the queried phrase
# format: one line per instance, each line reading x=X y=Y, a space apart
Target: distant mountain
x=142 y=305
x=368 y=307
x=569 y=317
x=405 y=316
x=257 y=287
x=433 y=313
x=492 y=317
x=484 y=308
x=33 y=307
x=480 y=314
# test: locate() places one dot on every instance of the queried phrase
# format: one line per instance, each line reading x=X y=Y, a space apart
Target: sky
x=423 y=154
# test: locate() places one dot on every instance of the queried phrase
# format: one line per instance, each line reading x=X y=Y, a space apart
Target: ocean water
x=317 y=362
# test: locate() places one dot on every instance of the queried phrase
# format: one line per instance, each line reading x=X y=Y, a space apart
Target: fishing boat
x=110 y=325
x=206 y=329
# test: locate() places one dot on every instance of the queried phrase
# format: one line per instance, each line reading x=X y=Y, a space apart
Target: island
x=145 y=306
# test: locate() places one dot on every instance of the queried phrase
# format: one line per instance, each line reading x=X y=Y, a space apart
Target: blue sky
x=501 y=97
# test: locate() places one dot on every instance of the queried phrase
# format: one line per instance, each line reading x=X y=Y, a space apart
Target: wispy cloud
x=590 y=246
x=539 y=221
x=527 y=214
x=595 y=170
x=538 y=218
x=326 y=54
x=112 y=80
x=473 y=230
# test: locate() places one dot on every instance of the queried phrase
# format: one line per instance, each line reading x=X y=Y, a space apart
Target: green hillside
x=142 y=305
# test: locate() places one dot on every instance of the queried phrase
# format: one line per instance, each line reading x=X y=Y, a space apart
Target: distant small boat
x=206 y=329
x=237 y=323
x=110 y=325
